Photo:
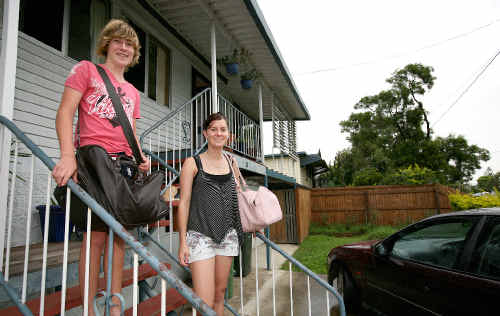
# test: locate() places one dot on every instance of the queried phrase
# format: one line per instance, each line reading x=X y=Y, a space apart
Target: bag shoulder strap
x=120 y=114
x=238 y=177
x=197 y=161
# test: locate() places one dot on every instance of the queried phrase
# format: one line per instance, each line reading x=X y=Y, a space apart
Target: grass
x=314 y=249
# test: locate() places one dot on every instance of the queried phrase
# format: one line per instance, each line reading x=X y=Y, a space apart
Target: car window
x=486 y=257
x=439 y=243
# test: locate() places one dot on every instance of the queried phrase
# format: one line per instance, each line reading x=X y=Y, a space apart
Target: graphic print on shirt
x=100 y=103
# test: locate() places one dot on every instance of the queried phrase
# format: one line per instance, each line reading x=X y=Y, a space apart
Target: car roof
x=494 y=211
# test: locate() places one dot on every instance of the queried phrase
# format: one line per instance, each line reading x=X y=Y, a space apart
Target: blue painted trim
x=274 y=174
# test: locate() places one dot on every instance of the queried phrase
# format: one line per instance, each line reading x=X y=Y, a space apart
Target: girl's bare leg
x=222 y=269
x=202 y=273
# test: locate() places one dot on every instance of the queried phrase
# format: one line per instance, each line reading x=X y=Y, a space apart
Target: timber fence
x=380 y=205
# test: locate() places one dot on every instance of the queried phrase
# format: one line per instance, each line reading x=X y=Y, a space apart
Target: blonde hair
x=118 y=29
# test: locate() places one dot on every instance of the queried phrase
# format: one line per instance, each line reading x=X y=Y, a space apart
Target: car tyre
x=347 y=289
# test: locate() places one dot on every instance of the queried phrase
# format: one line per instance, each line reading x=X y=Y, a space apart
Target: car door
x=410 y=270
x=480 y=284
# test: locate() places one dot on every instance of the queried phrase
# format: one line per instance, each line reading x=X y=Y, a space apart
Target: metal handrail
x=306 y=270
x=113 y=224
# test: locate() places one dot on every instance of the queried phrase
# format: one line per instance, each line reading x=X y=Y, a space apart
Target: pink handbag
x=258 y=208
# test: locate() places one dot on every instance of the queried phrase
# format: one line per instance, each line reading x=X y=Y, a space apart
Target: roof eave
x=259 y=20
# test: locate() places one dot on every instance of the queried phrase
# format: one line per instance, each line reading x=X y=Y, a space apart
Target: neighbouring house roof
x=313 y=161
x=238 y=24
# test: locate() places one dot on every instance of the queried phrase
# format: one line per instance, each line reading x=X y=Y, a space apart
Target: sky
x=339 y=51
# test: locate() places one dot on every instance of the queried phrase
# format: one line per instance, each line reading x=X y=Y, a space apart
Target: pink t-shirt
x=97 y=123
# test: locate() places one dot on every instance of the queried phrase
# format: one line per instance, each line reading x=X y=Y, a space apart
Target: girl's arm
x=188 y=173
x=66 y=166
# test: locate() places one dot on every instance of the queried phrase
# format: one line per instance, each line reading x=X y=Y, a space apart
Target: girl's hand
x=183 y=254
x=65 y=169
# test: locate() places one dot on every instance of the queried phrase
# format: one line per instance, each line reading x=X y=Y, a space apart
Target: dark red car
x=448 y=264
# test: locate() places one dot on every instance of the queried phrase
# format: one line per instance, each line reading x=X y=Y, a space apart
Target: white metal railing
x=30 y=183
x=289 y=301
x=179 y=135
x=245 y=135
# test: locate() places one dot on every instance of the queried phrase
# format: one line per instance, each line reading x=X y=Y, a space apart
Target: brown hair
x=213 y=117
x=118 y=29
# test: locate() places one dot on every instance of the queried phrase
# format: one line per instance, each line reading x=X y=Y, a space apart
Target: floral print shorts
x=202 y=247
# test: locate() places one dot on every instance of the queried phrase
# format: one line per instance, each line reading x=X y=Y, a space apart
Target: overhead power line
x=401 y=54
x=468 y=87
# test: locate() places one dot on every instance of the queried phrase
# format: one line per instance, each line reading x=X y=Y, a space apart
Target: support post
x=261 y=124
x=215 y=103
x=8 y=61
x=436 y=199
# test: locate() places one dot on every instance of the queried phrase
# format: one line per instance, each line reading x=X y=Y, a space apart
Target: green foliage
x=412 y=175
x=461 y=202
x=390 y=136
x=251 y=74
x=239 y=56
x=367 y=176
x=489 y=181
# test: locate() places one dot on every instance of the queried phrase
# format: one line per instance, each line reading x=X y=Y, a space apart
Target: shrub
x=461 y=202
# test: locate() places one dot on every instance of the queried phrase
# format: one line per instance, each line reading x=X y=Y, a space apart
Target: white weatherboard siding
x=181 y=79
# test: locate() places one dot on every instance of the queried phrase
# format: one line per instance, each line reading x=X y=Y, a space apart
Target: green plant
x=461 y=201
x=251 y=74
x=239 y=56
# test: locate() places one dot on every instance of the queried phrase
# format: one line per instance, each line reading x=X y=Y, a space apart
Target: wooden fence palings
x=387 y=204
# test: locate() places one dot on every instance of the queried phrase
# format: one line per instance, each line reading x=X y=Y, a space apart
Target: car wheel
x=347 y=289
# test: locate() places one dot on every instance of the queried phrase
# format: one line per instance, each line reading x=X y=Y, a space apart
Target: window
x=439 y=244
x=486 y=257
x=86 y=19
x=152 y=74
x=42 y=23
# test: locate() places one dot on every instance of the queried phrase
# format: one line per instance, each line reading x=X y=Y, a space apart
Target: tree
x=489 y=181
x=390 y=131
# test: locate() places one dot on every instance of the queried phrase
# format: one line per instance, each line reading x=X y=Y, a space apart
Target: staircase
x=168 y=142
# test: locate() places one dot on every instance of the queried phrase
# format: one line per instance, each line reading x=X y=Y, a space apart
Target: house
x=178 y=77
x=306 y=170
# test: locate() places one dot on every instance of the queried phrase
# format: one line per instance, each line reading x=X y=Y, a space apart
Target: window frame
x=464 y=256
x=65 y=32
x=146 y=45
x=489 y=222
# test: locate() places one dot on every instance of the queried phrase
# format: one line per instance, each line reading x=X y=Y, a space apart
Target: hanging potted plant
x=248 y=77
x=232 y=62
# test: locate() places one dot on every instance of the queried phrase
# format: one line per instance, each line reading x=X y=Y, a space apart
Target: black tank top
x=213 y=210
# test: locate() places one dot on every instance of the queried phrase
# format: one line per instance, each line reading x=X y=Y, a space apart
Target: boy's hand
x=65 y=169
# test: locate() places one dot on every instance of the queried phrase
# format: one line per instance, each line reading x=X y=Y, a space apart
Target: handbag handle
x=121 y=115
x=239 y=178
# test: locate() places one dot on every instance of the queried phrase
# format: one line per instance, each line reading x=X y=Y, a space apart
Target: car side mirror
x=381 y=250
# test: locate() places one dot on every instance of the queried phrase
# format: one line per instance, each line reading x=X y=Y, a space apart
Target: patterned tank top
x=213 y=210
